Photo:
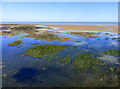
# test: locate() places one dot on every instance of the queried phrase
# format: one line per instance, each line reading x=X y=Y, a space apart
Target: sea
x=64 y=23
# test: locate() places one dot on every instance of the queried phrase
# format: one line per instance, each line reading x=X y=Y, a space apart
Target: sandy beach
x=108 y=28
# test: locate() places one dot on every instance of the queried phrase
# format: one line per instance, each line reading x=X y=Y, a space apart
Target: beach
x=105 y=28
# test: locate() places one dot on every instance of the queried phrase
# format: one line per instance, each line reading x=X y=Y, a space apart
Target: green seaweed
x=107 y=34
x=112 y=52
x=44 y=50
x=24 y=28
x=85 y=34
x=66 y=59
x=93 y=36
x=107 y=38
x=21 y=46
x=15 y=43
x=36 y=44
x=118 y=68
x=48 y=36
x=111 y=35
x=114 y=38
x=86 y=60
x=112 y=68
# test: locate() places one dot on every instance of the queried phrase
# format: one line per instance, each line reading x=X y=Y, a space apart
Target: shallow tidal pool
x=60 y=59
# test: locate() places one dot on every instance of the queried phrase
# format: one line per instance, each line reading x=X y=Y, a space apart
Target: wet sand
x=109 y=28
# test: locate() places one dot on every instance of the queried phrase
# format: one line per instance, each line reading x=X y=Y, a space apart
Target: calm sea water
x=65 y=23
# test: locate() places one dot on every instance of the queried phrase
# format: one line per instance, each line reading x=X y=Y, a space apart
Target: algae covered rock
x=66 y=59
x=48 y=36
x=112 y=52
x=15 y=43
x=44 y=50
x=36 y=44
x=85 y=34
x=86 y=60
x=118 y=68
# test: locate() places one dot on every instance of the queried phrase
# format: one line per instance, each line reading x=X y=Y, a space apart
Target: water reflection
x=76 y=60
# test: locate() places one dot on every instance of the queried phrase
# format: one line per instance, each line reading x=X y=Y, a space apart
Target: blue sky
x=60 y=11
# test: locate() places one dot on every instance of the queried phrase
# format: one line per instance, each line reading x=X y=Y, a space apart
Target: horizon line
x=65 y=21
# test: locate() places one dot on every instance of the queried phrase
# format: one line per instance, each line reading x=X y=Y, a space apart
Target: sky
x=59 y=12
x=60 y=0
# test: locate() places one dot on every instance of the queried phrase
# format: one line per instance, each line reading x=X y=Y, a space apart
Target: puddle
x=44 y=29
x=5 y=30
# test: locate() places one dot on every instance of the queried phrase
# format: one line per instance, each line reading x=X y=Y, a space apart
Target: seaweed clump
x=114 y=38
x=85 y=34
x=44 y=50
x=24 y=28
x=4 y=27
x=66 y=59
x=15 y=43
x=36 y=44
x=112 y=52
x=86 y=60
x=107 y=38
x=118 y=69
x=46 y=36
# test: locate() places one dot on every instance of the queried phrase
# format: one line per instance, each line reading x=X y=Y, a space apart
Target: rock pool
x=60 y=58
